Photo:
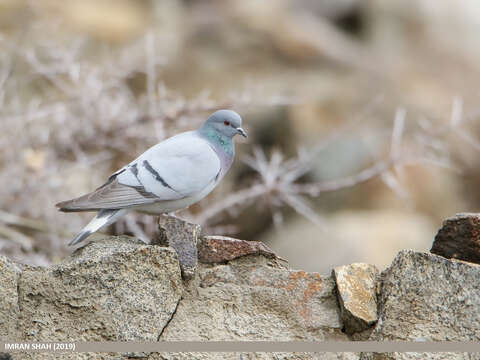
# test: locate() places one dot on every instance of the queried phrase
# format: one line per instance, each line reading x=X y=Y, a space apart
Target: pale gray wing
x=111 y=195
x=175 y=169
x=179 y=167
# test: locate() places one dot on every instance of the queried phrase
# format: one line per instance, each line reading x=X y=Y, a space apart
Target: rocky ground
x=121 y=289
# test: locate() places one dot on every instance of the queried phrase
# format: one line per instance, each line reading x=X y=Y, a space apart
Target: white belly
x=162 y=207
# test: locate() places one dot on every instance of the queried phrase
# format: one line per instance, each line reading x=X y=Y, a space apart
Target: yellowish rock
x=356 y=291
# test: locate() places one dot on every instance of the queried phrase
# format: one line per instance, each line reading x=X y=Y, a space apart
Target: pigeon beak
x=241 y=132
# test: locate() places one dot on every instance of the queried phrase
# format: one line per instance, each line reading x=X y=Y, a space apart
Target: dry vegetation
x=73 y=110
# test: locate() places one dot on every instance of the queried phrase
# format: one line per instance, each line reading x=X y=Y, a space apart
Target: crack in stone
x=18 y=325
x=170 y=319
x=19 y=297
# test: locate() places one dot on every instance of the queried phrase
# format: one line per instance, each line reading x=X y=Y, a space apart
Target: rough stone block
x=183 y=237
x=356 y=290
x=459 y=238
x=113 y=289
x=220 y=249
x=9 y=311
x=425 y=297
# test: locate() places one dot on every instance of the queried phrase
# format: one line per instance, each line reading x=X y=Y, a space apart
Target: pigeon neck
x=218 y=140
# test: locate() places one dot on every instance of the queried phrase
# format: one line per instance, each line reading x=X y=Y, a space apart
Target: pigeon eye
x=227 y=123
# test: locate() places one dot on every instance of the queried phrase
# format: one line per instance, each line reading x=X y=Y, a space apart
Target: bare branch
x=135 y=228
x=315 y=189
x=457 y=112
x=300 y=205
x=468 y=138
x=151 y=74
x=17 y=237
x=389 y=178
x=12 y=219
x=397 y=133
x=235 y=199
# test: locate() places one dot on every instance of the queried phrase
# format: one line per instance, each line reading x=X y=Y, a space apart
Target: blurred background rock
x=383 y=96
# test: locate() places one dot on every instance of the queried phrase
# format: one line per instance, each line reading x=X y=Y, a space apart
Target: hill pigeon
x=169 y=176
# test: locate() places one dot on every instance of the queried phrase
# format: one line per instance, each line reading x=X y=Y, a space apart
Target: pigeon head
x=226 y=122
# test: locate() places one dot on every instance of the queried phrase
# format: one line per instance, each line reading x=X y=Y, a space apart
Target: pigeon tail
x=104 y=218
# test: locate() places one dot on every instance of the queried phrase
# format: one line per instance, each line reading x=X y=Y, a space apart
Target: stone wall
x=121 y=289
